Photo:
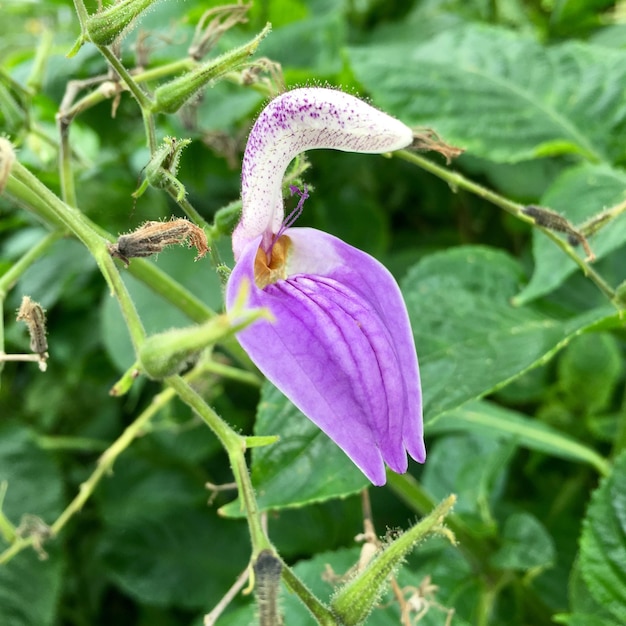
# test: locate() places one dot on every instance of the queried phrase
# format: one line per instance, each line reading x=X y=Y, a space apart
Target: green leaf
x=589 y=372
x=603 y=543
x=146 y=484
x=34 y=481
x=578 y=194
x=66 y=270
x=452 y=468
x=29 y=587
x=171 y=558
x=312 y=46
x=304 y=466
x=526 y=544
x=470 y=339
x=159 y=539
x=585 y=611
x=490 y=419
x=501 y=95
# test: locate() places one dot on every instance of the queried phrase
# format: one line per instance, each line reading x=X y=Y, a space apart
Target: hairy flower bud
x=162 y=169
x=103 y=27
x=355 y=601
x=166 y=354
x=174 y=94
x=227 y=217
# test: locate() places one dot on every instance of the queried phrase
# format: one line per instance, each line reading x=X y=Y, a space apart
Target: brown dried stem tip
x=150 y=238
x=547 y=218
x=33 y=315
x=425 y=139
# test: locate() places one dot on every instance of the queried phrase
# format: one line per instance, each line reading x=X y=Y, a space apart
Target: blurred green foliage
x=522 y=357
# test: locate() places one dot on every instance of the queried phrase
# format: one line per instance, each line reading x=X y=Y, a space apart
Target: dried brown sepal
x=37 y=530
x=152 y=237
x=208 y=33
x=555 y=221
x=33 y=315
x=426 y=139
x=264 y=72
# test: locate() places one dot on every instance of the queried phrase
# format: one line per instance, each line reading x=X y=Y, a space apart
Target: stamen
x=292 y=217
x=295 y=214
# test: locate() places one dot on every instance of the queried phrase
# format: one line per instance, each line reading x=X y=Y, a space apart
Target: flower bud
x=162 y=169
x=354 y=602
x=103 y=27
x=171 y=96
x=166 y=354
x=227 y=217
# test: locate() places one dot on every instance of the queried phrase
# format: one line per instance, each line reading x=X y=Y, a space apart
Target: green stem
x=233 y=373
x=7 y=530
x=234 y=445
x=68 y=188
x=142 y=98
x=39 y=200
x=163 y=71
x=322 y=614
x=100 y=94
x=174 y=293
x=145 y=103
x=28 y=199
x=456 y=180
x=35 y=78
x=83 y=15
x=43 y=202
x=189 y=209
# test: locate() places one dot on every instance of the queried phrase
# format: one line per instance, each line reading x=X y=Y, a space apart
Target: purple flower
x=341 y=347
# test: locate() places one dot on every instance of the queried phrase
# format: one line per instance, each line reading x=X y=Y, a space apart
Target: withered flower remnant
x=153 y=236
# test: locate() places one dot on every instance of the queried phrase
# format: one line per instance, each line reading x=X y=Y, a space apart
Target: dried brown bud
x=555 y=221
x=208 y=33
x=427 y=139
x=152 y=237
x=33 y=315
x=267 y=570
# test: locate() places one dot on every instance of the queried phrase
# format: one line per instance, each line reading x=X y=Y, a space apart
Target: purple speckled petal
x=341 y=348
x=296 y=121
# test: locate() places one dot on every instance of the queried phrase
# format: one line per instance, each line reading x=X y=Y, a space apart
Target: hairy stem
x=43 y=202
x=458 y=181
x=234 y=445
